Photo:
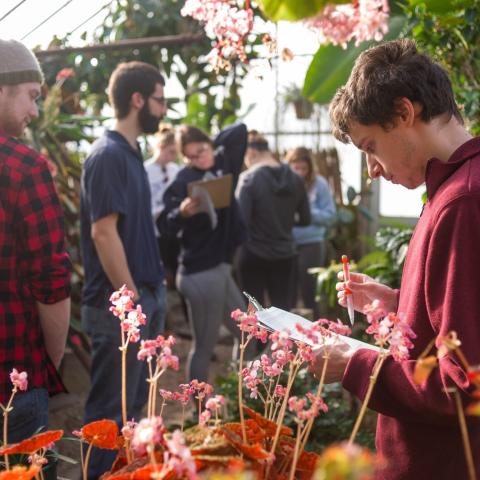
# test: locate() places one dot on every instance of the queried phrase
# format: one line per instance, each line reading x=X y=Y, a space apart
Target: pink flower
x=128 y=429
x=148 y=433
x=65 y=73
x=148 y=348
x=205 y=416
x=215 y=402
x=391 y=330
x=280 y=391
x=224 y=22
x=179 y=457
x=361 y=19
x=19 y=379
x=281 y=340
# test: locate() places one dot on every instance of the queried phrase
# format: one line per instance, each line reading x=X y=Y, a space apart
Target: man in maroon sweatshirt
x=398 y=108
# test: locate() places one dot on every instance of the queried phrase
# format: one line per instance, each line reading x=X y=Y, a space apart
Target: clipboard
x=219 y=189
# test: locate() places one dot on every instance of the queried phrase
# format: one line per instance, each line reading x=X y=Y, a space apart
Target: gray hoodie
x=272 y=200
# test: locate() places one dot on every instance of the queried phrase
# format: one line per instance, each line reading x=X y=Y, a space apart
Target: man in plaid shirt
x=34 y=266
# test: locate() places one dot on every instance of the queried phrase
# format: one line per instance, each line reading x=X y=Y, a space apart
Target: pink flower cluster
x=212 y=406
x=250 y=325
x=179 y=457
x=165 y=359
x=148 y=433
x=388 y=328
x=130 y=317
x=226 y=23
x=361 y=20
x=299 y=407
x=19 y=379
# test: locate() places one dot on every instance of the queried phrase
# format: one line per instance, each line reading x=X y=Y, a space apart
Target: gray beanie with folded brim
x=18 y=64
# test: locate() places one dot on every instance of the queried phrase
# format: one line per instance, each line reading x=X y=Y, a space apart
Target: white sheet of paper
x=277 y=319
x=206 y=204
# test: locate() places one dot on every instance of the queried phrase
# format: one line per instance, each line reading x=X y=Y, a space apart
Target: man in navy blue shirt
x=119 y=246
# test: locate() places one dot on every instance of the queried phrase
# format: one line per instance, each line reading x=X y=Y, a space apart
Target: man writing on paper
x=398 y=108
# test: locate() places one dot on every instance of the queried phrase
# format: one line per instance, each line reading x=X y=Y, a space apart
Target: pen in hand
x=348 y=292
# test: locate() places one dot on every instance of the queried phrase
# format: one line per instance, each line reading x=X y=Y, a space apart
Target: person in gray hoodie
x=272 y=200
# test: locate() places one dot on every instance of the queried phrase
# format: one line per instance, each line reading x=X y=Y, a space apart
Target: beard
x=148 y=122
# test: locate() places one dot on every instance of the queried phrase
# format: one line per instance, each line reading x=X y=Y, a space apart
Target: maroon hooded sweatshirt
x=418 y=430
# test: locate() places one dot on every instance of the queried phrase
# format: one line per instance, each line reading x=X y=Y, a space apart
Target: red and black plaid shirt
x=34 y=265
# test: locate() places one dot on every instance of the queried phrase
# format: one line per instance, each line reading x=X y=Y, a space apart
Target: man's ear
x=407 y=111
x=137 y=101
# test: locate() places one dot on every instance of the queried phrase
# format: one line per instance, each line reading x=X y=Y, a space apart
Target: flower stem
x=373 y=378
x=308 y=428
x=124 y=386
x=240 y=390
x=296 y=452
x=6 y=410
x=466 y=441
x=281 y=414
x=87 y=459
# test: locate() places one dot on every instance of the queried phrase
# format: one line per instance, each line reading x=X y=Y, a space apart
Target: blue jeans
x=104 y=398
x=29 y=414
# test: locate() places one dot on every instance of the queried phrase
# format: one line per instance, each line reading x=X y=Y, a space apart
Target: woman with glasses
x=206 y=249
x=162 y=170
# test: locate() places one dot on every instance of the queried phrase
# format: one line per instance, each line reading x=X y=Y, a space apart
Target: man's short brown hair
x=381 y=76
x=128 y=78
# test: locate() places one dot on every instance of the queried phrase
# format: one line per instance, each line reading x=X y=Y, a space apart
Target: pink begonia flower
x=214 y=403
x=298 y=406
x=361 y=20
x=205 y=416
x=280 y=391
x=281 y=340
x=36 y=459
x=226 y=23
x=19 y=379
x=203 y=389
x=128 y=430
x=148 y=348
x=391 y=330
x=179 y=457
x=166 y=394
x=148 y=433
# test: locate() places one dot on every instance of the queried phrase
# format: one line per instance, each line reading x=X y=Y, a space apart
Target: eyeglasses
x=160 y=100
x=198 y=154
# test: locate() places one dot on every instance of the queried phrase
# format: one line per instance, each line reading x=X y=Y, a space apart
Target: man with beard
x=119 y=246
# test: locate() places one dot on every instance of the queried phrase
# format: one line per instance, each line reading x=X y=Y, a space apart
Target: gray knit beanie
x=18 y=64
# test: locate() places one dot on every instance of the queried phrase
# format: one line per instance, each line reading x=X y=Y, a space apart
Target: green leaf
x=331 y=65
x=293 y=10
x=441 y=6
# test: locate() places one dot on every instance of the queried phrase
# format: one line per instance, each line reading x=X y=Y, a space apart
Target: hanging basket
x=303 y=108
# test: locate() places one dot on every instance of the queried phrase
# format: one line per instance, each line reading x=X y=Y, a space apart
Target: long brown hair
x=302 y=154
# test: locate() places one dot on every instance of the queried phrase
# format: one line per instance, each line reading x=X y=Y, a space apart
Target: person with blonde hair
x=162 y=170
x=310 y=240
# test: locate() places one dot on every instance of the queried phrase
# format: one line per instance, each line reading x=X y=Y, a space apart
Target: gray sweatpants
x=210 y=296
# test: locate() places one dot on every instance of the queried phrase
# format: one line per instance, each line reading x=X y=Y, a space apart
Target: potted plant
x=293 y=95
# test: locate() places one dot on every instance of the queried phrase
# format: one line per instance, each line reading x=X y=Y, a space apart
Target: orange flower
x=252 y=452
x=32 y=444
x=473 y=409
x=267 y=425
x=423 y=368
x=254 y=433
x=101 y=434
x=20 y=473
